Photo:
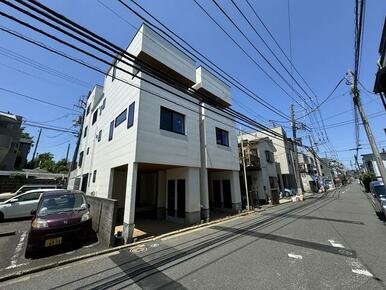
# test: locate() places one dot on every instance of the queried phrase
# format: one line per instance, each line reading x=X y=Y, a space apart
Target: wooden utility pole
x=314 y=155
x=298 y=178
x=358 y=104
x=36 y=146
x=67 y=152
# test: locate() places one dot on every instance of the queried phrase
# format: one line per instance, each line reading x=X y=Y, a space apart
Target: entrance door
x=84 y=183
x=216 y=193
x=171 y=197
x=181 y=198
x=226 y=190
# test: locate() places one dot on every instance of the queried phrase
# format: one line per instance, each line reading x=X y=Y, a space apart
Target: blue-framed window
x=172 y=121
x=85 y=132
x=111 y=131
x=121 y=118
x=130 y=117
x=94 y=117
x=222 y=137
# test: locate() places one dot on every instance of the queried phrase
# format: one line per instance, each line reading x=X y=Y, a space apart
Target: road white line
x=335 y=244
x=18 y=249
x=299 y=257
x=362 y=272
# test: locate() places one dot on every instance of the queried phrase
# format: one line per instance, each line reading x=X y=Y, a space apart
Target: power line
x=229 y=111
x=259 y=52
x=150 y=92
x=216 y=70
x=39 y=66
x=37 y=100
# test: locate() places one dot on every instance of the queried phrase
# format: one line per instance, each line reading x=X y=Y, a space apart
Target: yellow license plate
x=53 y=242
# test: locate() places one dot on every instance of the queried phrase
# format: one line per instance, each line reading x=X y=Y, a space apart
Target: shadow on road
x=317 y=218
x=138 y=271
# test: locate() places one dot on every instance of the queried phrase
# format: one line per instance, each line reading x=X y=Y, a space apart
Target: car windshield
x=380 y=190
x=54 y=204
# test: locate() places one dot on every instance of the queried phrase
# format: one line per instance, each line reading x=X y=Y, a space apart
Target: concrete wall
x=11 y=184
x=103 y=213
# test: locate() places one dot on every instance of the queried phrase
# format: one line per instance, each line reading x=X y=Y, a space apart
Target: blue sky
x=322 y=50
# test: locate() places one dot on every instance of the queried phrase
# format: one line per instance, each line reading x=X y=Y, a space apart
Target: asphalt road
x=331 y=241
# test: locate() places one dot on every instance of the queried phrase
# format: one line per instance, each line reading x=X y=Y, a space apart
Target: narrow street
x=331 y=241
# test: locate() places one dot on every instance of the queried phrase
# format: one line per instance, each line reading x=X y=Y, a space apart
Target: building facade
x=371 y=165
x=262 y=176
x=161 y=154
x=13 y=148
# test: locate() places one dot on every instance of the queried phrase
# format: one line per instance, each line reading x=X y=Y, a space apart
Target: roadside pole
x=36 y=146
x=244 y=169
x=315 y=160
x=296 y=157
x=366 y=125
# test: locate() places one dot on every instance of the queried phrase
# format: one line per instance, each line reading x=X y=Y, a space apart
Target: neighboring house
x=284 y=159
x=262 y=177
x=380 y=80
x=13 y=149
x=371 y=165
x=159 y=155
x=308 y=172
x=327 y=173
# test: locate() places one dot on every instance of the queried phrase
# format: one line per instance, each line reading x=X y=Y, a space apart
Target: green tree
x=61 y=166
x=366 y=178
x=45 y=161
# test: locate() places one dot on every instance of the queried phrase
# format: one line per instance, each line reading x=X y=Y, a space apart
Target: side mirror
x=33 y=212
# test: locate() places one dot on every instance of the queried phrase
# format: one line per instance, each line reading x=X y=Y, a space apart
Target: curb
x=52 y=265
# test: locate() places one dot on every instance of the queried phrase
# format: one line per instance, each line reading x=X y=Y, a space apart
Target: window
x=88 y=110
x=29 y=196
x=88 y=150
x=85 y=132
x=269 y=156
x=111 y=130
x=99 y=136
x=273 y=182
x=222 y=137
x=94 y=117
x=172 y=121
x=130 y=118
x=121 y=118
x=80 y=159
x=94 y=176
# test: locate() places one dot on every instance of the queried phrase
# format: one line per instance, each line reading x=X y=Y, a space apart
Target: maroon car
x=61 y=218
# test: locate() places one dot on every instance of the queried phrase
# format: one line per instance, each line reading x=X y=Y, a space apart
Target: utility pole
x=36 y=146
x=314 y=155
x=244 y=169
x=67 y=152
x=296 y=157
x=366 y=125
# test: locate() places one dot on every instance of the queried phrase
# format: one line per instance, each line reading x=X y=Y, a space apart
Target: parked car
x=378 y=190
x=27 y=187
x=61 y=218
x=289 y=192
x=21 y=205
